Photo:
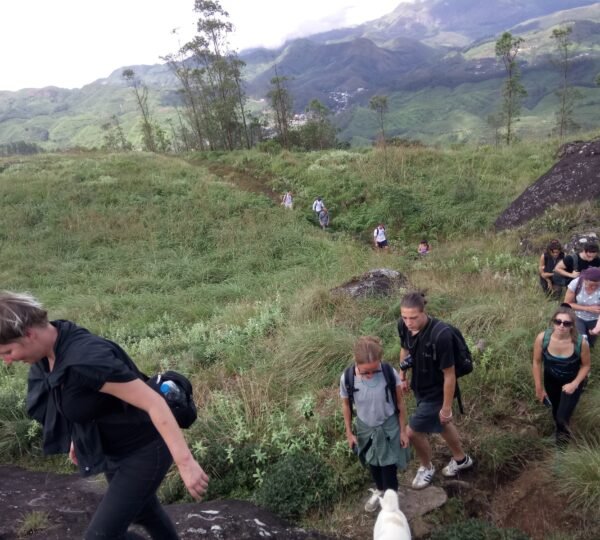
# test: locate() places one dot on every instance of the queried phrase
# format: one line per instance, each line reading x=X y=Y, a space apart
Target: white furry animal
x=391 y=523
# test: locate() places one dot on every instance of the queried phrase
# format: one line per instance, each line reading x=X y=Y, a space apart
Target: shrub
x=297 y=483
x=476 y=529
x=507 y=453
x=578 y=473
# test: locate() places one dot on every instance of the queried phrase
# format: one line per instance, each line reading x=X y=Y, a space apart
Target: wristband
x=446 y=417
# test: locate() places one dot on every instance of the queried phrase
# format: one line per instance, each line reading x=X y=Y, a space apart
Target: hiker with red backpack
x=565 y=357
x=372 y=388
x=437 y=354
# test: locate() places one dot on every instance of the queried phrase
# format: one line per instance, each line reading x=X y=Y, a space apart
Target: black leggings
x=131 y=497
x=563 y=405
x=385 y=477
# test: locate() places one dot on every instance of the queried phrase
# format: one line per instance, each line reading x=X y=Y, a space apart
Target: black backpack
x=463 y=359
x=186 y=413
x=390 y=385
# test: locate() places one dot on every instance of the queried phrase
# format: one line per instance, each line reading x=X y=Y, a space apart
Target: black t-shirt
x=550 y=262
x=123 y=428
x=429 y=359
x=569 y=262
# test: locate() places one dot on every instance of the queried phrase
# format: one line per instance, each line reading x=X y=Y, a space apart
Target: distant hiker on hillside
x=379 y=238
x=428 y=345
x=287 y=201
x=372 y=388
x=423 y=248
x=572 y=265
x=95 y=406
x=565 y=357
x=548 y=261
x=317 y=206
x=324 y=218
x=583 y=295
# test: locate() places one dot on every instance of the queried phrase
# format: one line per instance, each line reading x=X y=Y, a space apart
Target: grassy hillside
x=187 y=268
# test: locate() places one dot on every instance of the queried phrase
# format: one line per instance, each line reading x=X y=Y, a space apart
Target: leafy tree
x=114 y=138
x=149 y=128
x=318 y=133
x=507 y=49
x=281 y=102
x=209 y=73
x=380 y=105
x=567 y=95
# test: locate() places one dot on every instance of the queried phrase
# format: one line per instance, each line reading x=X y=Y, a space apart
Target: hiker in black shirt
x=93 y=404
x=572 y=265
x=433 y=382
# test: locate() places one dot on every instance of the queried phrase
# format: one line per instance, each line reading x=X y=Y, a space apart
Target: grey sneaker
x=453 y=468
x=424 y=477
x=373 y=503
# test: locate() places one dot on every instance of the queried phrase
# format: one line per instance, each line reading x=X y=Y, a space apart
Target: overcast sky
x=70 y=43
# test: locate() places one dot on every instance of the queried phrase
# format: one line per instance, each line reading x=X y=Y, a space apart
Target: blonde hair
x=18 y=312
x=368 y=349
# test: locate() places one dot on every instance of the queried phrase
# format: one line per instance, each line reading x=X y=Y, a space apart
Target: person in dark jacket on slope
x=94 y=405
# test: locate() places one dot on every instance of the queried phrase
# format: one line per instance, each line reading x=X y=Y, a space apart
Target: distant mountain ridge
x=419 y=55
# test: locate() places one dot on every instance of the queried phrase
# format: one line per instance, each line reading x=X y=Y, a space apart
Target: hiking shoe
x=424 y=477
x=453 y=468
x=373 y=503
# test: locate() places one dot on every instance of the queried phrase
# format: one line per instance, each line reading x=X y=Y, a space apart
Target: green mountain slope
x=434 y=59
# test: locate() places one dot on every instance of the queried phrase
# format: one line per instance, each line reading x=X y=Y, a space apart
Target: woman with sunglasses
x=381 y=439
x=583 y=295
x=565 y=357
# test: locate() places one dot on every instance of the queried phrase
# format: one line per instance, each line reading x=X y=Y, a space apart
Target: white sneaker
x=424 y=477
x=373 y=503
x=453 y=468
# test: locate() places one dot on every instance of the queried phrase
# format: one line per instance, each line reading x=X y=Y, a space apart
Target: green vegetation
x=185 y=269
x=33 y=522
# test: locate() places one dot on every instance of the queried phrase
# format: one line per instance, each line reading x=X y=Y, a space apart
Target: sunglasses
x=369 y=372
x=560 y=322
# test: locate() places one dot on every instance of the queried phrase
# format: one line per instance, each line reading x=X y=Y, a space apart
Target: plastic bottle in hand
x=173 y=393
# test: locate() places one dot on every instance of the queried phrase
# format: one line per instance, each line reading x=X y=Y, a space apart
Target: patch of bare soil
x=242 y=179
x=531 y=503
x=69 y=502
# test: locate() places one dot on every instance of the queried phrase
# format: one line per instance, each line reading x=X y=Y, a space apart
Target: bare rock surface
x=378 y=282
x=415 y=503
x=69 y=502
x=575 y=178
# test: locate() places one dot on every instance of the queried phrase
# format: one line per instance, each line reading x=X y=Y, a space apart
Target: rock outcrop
x=68 y=502
x=575 y=178
x=379 y=282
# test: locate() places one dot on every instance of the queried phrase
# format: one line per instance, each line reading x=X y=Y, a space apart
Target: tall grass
x=190 y=272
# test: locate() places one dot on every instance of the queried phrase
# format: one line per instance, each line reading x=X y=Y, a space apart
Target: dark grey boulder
x=68 y=501
x=378 y=282
x=574 y=179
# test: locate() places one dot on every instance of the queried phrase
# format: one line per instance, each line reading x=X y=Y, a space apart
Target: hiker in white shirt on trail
x=318 y=205
x=379 y=239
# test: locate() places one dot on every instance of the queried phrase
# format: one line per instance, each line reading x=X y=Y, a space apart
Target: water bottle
x=173 y=393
